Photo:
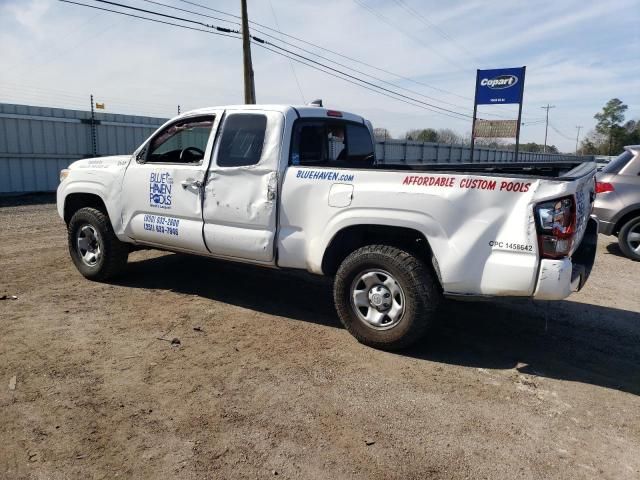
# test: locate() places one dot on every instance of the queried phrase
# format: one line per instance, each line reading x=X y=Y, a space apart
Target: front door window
x=183 y=142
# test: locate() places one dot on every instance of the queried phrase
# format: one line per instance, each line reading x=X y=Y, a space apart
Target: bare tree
x=382 y=134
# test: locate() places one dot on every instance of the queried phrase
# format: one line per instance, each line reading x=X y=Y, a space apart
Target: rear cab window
x=331 y=143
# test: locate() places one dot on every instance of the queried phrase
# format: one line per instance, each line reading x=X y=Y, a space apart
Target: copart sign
x=500 y=86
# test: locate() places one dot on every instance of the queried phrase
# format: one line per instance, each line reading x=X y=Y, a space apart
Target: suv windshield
x=618 y=163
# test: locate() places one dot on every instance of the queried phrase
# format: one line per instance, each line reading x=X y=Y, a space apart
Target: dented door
x=240 y=201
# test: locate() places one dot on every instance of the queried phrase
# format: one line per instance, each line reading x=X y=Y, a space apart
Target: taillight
x=604 y=187
x=556 y=224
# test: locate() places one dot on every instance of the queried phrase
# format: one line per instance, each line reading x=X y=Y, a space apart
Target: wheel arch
x=77 y=200
x=633 y=211
x=352 y=237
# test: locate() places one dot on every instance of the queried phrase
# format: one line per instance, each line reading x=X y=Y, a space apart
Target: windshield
x=618 y=163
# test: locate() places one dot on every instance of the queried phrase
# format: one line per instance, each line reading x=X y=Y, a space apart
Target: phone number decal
x=164 y=225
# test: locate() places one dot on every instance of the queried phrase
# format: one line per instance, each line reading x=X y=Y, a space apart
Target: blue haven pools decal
x=160 y=186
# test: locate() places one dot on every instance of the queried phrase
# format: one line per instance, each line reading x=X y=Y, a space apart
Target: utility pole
x=93 y=129
x=579 y=127
x=546 y=126
x=249 y=87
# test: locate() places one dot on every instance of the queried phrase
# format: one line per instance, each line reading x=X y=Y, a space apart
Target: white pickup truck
x=299 y=188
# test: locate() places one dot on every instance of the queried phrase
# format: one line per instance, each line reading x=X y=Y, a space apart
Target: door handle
x=191 y=183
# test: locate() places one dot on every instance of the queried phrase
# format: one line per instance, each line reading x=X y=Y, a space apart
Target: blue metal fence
x=37 y=142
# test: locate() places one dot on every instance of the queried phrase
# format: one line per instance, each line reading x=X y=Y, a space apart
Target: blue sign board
x=499 y=86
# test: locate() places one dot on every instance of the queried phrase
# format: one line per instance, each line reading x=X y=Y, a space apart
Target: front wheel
x=629 y=239
x=94 y=248
x=385 y=297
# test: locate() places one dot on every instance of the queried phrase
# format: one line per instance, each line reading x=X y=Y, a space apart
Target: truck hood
x=101 y=162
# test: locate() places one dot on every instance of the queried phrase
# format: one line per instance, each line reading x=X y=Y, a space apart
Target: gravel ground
x=266 y=383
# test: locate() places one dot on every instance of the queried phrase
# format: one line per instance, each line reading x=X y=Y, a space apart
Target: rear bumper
x=606 y=228
x=606 y=208
x=559 y=278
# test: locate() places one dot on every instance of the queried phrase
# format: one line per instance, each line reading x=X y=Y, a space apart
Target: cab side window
x=331 y=143
x=242 y=140
x=183 y=142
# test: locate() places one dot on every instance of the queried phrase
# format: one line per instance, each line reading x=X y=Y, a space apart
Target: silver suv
x=617 y=203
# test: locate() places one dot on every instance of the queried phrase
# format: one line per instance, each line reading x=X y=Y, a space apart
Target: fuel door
x=340 y=195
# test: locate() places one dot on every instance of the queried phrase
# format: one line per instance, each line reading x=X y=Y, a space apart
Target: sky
x=578 y=54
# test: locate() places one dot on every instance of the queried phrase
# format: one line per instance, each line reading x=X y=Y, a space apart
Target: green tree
x=609 y=120
x=588 y=147
x=631 y=132
x=537 y=148
x=422 y=135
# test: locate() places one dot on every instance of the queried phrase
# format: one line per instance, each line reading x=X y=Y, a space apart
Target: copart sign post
x=501 y=86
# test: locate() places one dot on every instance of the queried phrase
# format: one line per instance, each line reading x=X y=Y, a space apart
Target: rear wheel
x=94 y=248
x=629 y=239
x=385 y=297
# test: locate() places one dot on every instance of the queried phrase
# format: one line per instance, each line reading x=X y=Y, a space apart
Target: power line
x=388 y=72
x=259 y=40
x=316 y=54
x=325 y=58
x=555 y=129
x=359 y=85
x=407 y=34
x=412 y=11
x=333 y=52
x=190 y=11
x=428 y=106
x=212 y=9
x=293 y=70
x=39 y=96
x=533 y=122
x=173 y=17
x=341 y=64
x=30 y=89
x=148 y=19
x=379 y=89
x=361 y=72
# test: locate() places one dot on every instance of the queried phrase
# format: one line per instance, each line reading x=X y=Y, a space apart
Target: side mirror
x=140 y=156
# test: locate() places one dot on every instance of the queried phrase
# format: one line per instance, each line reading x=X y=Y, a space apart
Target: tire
x=400 y=280
x=629 y=239
x=90 y=232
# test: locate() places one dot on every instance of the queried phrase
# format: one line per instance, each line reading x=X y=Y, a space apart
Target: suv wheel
x=629 y=239
x=385 y=297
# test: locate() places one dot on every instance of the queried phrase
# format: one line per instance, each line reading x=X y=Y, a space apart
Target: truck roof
x=303 y=111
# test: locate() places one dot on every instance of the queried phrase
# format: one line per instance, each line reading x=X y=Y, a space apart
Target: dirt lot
x=271 y=385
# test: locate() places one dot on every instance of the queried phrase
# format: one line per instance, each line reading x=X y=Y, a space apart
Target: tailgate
x=585 y=197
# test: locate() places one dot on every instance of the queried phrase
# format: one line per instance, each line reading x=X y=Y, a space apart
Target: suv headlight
x=64 y=173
